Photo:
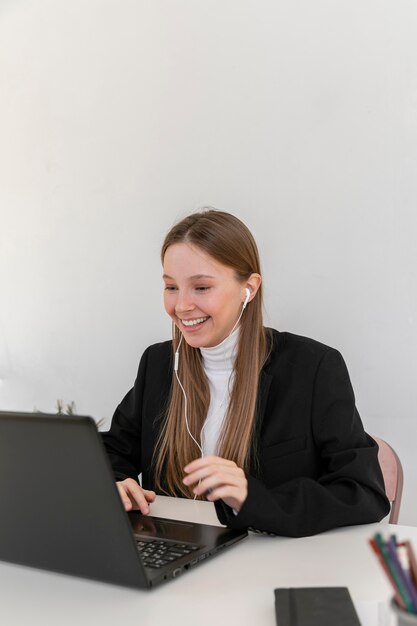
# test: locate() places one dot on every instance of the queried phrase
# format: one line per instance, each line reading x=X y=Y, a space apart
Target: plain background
x=117 y=118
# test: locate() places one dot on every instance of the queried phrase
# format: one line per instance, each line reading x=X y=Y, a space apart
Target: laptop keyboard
x=157 y=553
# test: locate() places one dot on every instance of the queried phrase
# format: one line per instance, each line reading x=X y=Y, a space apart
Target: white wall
x=119 y=117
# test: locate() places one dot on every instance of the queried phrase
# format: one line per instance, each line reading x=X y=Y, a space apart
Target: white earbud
x=177 y=356
x=247 y=291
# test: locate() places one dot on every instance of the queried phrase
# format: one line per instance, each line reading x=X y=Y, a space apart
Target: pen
x=391 y=548
x=398 y=598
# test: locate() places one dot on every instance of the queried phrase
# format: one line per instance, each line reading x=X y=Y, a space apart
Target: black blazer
x=315 y=468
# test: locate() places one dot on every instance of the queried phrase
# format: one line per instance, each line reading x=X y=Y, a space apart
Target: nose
x=183 y=303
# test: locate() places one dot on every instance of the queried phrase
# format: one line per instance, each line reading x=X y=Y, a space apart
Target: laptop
x=61 y=510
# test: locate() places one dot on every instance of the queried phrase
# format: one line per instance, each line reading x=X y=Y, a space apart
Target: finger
x=206 y=461
x=124 y=497
x=149 y=495
x=231 y=495
x=205 y=472
x=223 y=491
x=219 y=479
x=134 y=493
x=138 y=497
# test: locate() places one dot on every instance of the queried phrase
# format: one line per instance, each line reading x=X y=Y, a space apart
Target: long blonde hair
x=230 y=242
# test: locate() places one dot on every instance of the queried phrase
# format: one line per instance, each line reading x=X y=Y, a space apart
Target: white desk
x=235 y=587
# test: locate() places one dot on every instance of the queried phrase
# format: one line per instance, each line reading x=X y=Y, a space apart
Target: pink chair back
x=392 y=472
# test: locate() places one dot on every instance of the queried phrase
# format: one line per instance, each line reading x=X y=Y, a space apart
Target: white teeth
x=194 y=322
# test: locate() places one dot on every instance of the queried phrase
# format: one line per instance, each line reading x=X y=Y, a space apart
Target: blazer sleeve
x=349 y=489
x=123 y=440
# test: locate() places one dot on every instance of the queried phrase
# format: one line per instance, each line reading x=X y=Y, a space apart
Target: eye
x=202 y=288
x=170 y=288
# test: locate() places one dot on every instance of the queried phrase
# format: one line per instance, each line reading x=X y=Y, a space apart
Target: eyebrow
x=195 y=277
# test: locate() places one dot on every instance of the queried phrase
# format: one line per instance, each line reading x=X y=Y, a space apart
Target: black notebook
x=315 y=606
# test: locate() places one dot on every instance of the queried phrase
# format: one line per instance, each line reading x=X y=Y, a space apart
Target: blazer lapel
x=264 y=385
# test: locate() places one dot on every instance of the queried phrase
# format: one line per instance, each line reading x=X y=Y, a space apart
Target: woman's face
x=201 y=295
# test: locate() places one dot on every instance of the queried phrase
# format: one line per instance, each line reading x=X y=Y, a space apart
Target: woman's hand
x=134 y=497
x=217 y=478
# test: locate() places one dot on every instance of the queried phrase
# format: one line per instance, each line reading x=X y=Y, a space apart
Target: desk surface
x=235 y=587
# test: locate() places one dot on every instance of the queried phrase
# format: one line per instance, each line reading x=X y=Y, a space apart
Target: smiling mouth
x=193 y=323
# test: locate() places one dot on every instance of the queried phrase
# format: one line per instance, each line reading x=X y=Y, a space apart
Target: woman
x=260 y=422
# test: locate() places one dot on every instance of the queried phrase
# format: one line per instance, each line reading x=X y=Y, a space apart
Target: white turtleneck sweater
x=218 y=365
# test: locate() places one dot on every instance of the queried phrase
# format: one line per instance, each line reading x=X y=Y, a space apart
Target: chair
x=392 y=472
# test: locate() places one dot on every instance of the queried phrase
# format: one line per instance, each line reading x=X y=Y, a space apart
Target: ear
x=253 y=283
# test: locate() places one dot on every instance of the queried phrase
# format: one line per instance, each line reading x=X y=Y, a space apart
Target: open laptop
x=61 y=510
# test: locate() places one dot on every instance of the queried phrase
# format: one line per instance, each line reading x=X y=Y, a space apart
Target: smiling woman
x=263 y=423
x=202 y=296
